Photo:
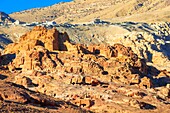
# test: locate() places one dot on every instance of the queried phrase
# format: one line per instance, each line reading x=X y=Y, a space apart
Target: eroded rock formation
x=44 y=50
x=50 y=39
x=93 y=77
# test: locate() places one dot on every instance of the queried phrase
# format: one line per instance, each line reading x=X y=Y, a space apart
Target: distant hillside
x=4 y=41
x=5 y=17
x=87 y=10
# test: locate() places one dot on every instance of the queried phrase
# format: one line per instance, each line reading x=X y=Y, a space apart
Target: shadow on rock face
x=150 y=56
x=147 y=106
x=6 y=59
x=158 y=81
x=21 y=95
x=1 y=47
x=4 y=41
x=162 y=81
x=165 y=50
x=2 y=77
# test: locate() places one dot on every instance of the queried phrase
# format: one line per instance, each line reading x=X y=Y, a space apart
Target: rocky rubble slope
x=4 y=41
x=16 y=98
x=148 y=40
x=99 y=78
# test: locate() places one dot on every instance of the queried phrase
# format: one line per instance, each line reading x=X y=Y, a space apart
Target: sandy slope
x=84 y=11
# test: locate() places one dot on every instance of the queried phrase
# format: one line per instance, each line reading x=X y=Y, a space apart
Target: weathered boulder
x=51 y=39
x=146 y=83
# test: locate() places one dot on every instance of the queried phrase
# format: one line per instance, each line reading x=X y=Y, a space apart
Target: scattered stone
x=135 y=103
x=165 y=92
x=86 y=103
x=145 y=83
x=24 y=81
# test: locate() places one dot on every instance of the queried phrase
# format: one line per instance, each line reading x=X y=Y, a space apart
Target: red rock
x=88 y=80
x=86 y=103
x=145 y=83
x=33 y=59
x=165 y=92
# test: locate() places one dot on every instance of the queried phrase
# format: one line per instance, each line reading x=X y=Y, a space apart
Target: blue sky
x=9 y=6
